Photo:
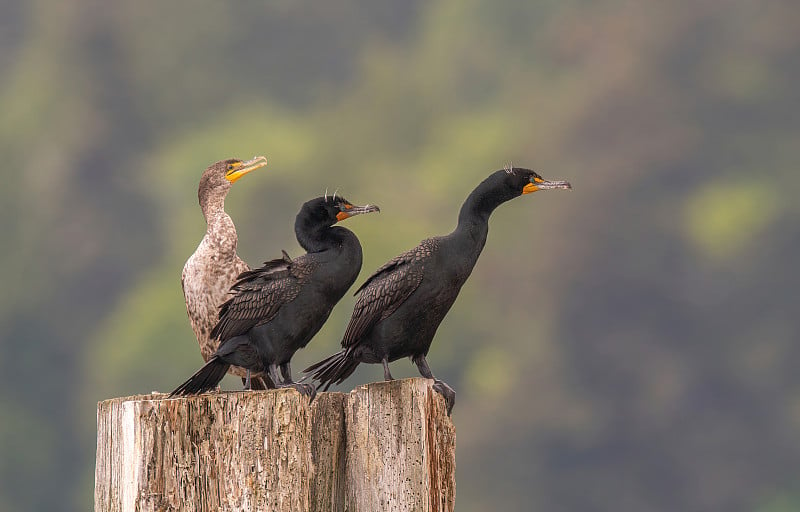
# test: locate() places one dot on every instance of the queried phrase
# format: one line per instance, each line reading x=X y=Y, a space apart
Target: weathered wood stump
x=382 y=447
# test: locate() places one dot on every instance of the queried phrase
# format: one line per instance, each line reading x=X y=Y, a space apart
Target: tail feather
x=204 y=379
x=333 y=369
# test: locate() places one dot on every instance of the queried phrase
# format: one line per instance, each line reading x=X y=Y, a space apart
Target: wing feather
x=259 y=294
x=386 y=290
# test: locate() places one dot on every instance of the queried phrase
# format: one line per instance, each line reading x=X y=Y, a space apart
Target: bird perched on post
x=209 y=273
x=402 y=304
x=276 y=309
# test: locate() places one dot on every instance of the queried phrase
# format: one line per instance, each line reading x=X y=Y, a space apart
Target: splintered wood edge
x=418 y=383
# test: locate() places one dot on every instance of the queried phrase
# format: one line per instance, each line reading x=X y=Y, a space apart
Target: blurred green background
x=629 y=346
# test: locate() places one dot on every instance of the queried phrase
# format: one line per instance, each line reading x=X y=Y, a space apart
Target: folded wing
x=386 y=290
x=259 y=294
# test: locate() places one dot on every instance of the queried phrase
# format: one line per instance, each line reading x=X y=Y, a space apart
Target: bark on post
x=384 y=446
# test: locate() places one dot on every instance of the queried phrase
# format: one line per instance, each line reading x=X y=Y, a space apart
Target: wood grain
x=384 y=446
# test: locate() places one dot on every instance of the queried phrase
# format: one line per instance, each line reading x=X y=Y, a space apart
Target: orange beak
x=350 y=211
x=540 y=184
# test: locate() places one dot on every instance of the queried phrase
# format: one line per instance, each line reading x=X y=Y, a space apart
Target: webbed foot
x=308 y=390
x=447 y=392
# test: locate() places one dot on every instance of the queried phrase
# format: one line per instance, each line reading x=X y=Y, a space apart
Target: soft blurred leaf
x=725 y=218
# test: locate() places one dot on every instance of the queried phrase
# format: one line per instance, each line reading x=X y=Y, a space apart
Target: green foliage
x=727 y=217
x=781 y=503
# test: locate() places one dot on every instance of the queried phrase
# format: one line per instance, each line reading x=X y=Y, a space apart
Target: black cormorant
x=276 y=309
x=402 y=304
x=209 y=273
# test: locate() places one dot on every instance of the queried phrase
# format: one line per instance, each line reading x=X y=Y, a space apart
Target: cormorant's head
x=235 y=168
x=330 y=209
x=525 y=181
x=222 y=174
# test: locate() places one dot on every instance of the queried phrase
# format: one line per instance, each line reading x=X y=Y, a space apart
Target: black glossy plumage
x=276 y=309
x=402 y=304
x=258 y=295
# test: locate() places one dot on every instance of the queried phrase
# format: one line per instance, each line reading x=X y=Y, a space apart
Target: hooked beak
x=350 y=211
x=540 y=184
x=245 y=167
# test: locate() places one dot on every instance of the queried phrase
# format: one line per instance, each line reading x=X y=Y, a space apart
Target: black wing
x=258 y=294
x=386 y=290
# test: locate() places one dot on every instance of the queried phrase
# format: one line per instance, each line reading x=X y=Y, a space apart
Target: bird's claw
x=447 y=392
x=308 y=390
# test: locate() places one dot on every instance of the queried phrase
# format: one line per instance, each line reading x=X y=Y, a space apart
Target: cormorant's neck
x=212 y=203
x=213 y=208
x=338 y=251
x=473 y=219
x=314 y=237
x=220 y=230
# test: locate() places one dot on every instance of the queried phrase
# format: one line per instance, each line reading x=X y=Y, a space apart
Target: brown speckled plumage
x=213 y=268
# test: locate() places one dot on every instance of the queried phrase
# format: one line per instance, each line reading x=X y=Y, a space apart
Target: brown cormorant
x=209 y=273
x=402 y=304
x=276 y=309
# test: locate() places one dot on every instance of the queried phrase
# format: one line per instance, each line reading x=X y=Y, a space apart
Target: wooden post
x=384 y=446
x=400 y=448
